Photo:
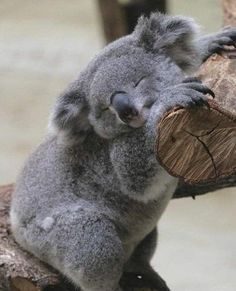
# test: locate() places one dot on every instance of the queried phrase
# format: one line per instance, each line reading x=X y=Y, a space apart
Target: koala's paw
x=226 y=37
x=191 y=92
x=152 y=281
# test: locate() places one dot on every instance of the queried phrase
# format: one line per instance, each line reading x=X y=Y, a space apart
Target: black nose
x=124 y=106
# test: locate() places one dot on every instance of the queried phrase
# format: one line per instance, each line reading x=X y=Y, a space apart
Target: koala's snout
x=125 y=109
x=123 y=106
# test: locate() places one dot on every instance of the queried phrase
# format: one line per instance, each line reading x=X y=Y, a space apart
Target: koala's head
x=116 y=91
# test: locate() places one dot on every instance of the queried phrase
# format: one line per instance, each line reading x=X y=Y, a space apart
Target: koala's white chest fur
x=153 y=203
x=163 y=186
x=159 y=192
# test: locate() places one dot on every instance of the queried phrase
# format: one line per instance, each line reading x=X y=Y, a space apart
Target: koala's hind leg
x=138 y=271
x=81 y=244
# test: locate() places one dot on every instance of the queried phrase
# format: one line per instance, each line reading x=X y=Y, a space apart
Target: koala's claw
x=217 y=48
x=188 y=94
x=199 y=99
x=203 y=89
x=199 y=102
x=225 y=40
x=229 y=31
x=227 y=37
x=192 y=79
x=196 y=84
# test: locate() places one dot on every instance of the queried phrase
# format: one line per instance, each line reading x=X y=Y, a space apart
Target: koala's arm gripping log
x=199 y=145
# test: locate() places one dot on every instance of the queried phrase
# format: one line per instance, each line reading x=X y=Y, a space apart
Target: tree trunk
x=113 y=19
x=120 y=17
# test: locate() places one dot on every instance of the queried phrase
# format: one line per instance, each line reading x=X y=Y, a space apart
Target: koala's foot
x=82 y=245
x=94 y=262
x=216 y=43
x=148 y=280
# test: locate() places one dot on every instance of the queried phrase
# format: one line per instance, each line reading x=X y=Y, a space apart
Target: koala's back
x=56 y=174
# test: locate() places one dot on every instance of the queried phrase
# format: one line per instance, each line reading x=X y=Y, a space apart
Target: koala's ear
x=173 y=36
x=69 y=119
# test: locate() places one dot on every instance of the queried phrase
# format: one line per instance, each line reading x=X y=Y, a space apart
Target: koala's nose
x=125 y=108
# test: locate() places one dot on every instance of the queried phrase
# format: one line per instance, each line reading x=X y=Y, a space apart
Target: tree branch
x=198 y=145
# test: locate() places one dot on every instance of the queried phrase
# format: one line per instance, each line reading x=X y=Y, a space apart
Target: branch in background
x=119 y=17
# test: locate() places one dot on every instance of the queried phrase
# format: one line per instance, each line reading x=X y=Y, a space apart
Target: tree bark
x=220 y=74
x=113 y=19
x=229 y=9
x=198 y=144
x=185 y=189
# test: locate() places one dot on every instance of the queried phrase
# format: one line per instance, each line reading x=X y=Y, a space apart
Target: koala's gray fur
x=88 y=199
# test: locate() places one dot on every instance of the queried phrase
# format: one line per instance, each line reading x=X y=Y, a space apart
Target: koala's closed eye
x=139 y=81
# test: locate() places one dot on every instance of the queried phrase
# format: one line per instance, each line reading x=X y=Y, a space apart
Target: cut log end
x=198 y=145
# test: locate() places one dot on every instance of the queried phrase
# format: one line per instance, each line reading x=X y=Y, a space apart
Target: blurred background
x=43 y=46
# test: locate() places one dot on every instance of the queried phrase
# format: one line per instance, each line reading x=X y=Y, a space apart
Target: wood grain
x=199 y=144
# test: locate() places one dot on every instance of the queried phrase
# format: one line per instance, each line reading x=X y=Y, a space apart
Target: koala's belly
x=143 y=216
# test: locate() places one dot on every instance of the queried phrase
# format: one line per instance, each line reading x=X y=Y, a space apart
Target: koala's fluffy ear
x=170 y=35
x=69 y=119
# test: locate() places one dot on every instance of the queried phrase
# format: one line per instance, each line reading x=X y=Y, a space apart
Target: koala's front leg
x=214 y=43
x=190 y=93
x=138 y=271
x=133 y=154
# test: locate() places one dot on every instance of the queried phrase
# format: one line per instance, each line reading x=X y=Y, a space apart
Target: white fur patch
x=162 y=184
x=47 y=223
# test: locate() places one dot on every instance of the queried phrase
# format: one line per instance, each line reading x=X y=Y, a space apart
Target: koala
x=88 y=200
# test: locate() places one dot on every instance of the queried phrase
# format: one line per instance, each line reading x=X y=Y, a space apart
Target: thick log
x=198 y=145
x=209 y=69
